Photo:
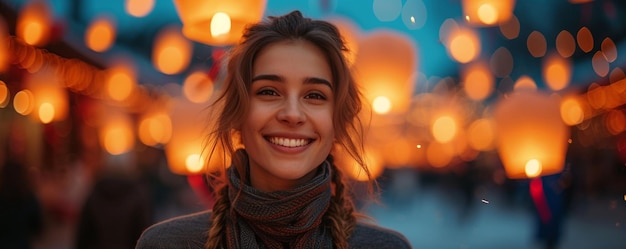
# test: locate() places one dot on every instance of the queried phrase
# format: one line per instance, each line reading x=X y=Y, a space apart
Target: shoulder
x=188 y=231
x=367 y=235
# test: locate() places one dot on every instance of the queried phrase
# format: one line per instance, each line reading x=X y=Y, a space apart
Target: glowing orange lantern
x=186 y=153
x=216 y=22
x=531 y=137
x=488 y=12
x=49 y=95
x=385 y=66
x=34 y=23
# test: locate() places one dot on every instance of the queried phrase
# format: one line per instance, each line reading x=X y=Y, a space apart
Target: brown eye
x=316 y=96
x=267 y=92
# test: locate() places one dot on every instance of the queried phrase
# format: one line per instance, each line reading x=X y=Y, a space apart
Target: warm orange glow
x=120 y=82
x=198 y=87
x=609 y=49
x=48 y=92
x=600 y=64
x=24 y=102
x=155 y=128
x=585 y=39
x=529 y=127
x=195 y=163
x=100 y=35
x=439 y=155
x=187 y=140
x=220 y=26
x=536 y=43
x=615 y=122
x=381 y=105
x=572 y=111
x=565 y=44
x=480 y=134
x=533 y=168
x=33 y=23
x=116 y=134
x=385 y=66
x=353 y=170
x=4 y=47
x=525 y=83
x=4 y=94
x=487 y=12
x=171 y=52
x=46 y=113
x=557 y=72
x=510 y=28
x=444 y=129
x=463 y=45
x=501 y=62
x=139 y=8
x=478 y=83
x=217 y=22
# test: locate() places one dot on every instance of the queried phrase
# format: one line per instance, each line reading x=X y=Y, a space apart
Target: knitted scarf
x=280 y=219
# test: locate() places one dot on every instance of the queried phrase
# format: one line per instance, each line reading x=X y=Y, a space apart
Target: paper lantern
x=531 y=137
x=187 y=151
x=384 y=67
x=217 y=22
x=487 y=12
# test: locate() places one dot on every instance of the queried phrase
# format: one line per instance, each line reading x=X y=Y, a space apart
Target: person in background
x=288 y=104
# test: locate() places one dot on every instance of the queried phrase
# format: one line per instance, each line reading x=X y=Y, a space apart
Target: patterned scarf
x=280 y=219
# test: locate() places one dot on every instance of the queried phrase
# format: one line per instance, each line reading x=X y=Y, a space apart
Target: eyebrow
x=308 y=80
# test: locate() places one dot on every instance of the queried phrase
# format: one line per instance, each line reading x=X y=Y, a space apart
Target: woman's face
x=288 y=130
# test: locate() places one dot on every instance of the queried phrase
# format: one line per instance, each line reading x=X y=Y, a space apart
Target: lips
x=289 y=142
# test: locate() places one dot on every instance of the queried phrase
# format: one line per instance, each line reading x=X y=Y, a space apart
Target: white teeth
x=288 y=142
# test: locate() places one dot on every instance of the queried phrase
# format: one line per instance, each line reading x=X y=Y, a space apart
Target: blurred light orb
x=381 y=105
x=533 y=168
x=536 y=43
x=139 y=8
x=220 y=24
x=444 y=129
x=46 y=113
x=100 y=34
x=571 y=111
x=585 y=39
x=387 y=10
x=195 y=163
x=565 y=44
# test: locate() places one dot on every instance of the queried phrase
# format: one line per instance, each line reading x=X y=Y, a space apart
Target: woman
x=288 y=103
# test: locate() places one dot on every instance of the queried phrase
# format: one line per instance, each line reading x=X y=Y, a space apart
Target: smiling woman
x=289 y=102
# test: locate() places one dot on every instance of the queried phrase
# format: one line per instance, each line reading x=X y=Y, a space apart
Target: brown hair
x=234 y=100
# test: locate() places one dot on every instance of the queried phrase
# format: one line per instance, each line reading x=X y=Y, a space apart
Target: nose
x=291 y=112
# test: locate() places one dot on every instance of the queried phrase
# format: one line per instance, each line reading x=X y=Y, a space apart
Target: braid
x=340 y=213
x=218 y=219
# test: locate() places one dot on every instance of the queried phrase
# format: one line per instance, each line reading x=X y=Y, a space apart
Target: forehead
x=291 y=57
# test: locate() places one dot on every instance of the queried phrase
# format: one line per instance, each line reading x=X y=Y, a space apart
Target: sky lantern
x=34 y=23
x=171 y=52
x=385 y=67
x=187 y=152
x=216 y=22
x=487 y=12
x=531 y=137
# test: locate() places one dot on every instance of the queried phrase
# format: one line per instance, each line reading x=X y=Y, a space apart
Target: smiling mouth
x=289 y=142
